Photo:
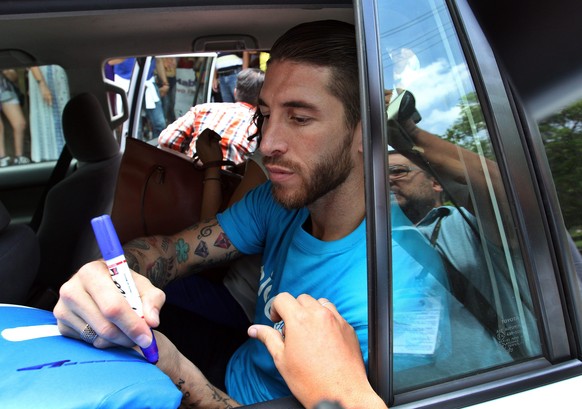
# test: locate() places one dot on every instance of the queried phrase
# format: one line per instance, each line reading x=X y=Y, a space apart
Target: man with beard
x=307 y=221
x=467 y=234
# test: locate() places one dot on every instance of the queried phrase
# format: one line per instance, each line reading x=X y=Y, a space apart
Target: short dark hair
x=248 y=85
x=326 y=43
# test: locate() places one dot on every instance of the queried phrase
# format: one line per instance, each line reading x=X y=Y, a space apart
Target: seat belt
x=59 y=172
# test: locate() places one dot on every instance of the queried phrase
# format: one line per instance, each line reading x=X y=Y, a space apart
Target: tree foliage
x=562 y=136
x=469 y=130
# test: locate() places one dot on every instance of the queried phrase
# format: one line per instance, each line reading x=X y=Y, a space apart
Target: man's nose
x=273 y=141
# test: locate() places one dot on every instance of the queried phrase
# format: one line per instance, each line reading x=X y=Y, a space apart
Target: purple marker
x=113 y=254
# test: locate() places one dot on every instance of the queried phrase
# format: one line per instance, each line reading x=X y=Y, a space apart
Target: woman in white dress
x=48 y=92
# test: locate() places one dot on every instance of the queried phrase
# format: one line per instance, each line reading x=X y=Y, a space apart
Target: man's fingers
x=152 y=299
x=92 y=298
x=328 y=304
x=272 y=338
x=283 y=302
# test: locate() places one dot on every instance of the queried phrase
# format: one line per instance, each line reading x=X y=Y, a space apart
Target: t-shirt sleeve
x=246 y=222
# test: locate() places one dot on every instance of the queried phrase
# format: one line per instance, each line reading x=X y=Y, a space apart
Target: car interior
x=46 y=206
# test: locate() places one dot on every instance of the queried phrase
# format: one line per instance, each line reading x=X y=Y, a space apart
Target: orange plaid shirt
x=232 y=121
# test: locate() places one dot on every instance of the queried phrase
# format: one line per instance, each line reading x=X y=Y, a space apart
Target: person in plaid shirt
x=233 y=121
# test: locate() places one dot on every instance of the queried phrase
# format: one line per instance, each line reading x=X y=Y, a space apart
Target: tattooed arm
x=91 y=297
x=197 y=391
x=165 y=258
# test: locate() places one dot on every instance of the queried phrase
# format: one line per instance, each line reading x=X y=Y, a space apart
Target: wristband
x=205 y=179
x=214 y=164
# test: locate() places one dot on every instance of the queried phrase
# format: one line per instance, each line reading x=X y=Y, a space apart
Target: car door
x=499 y=312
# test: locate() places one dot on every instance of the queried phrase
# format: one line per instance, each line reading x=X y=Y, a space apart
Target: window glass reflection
x=467 y=307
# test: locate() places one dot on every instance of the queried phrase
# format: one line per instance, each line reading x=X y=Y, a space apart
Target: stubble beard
x=329 y=173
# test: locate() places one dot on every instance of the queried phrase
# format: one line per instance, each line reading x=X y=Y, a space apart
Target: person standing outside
x=48 y=88
x=10 y=105
x=228 y=65
x=232 y=121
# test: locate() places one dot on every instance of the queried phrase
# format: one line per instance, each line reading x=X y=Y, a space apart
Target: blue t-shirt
x=296 y=262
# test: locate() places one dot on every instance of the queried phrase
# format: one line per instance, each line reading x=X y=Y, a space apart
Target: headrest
x=86 y=130
x=4 y=217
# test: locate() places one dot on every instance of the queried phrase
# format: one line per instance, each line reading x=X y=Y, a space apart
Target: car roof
x=155 y=26
x=536 y=43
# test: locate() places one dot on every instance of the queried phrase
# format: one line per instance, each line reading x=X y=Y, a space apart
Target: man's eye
x=300 y=120
x=397 y=171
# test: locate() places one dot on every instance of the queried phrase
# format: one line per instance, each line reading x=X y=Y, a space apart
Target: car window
x=32 y=100
x=172 y=85
x=461 y=299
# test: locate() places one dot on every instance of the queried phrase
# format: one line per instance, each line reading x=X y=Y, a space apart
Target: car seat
x=19 y=259
x=65 y=234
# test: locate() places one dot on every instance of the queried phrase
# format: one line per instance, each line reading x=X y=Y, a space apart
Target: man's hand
x=317 y=353
x=208 y=146
x=91 y=298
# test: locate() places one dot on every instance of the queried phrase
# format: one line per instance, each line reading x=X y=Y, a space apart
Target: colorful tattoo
x=202 y=249
x=182 y=250
x=222 y=241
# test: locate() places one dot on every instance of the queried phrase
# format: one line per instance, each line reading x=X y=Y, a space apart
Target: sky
x=421 y=54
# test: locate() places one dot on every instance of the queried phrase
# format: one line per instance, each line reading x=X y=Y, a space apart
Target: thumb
x=269 y=336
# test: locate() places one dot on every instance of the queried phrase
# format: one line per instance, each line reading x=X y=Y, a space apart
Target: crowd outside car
x=152 y=102
x=232 y=121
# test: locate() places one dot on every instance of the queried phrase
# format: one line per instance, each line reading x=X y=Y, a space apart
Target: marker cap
x=106 y=237
x=151 y=353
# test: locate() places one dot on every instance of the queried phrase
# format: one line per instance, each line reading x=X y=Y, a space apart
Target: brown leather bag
x=159 y=191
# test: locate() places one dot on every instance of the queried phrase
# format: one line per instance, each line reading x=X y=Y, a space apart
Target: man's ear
x=436 y=186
